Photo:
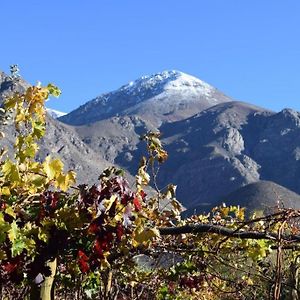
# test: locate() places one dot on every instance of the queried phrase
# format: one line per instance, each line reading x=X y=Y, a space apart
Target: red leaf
x=9 y=267
x=98 y=248
x=119 y=232
x=83 y=262
x=137 y=204
x=143 y=194
x=84 y=266
x=93 y=228
x=41 y=215
x=109 y=237
x=54 y=200
x=82 y=255
x=125 y=198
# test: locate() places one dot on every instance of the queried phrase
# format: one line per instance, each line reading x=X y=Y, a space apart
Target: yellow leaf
x=5 y=191
x=52 y=168
x=65 y=181
x=2 y=255
x=225 y=211
x=20 y=117
x=109 y=202
x=13 y=232
x=146 y=235
x=43 y=235
x=11 y=171
x=11 y=102
x=104 y=263
x=9 y=210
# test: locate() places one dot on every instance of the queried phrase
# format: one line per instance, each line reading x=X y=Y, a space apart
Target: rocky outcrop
x=233 y=141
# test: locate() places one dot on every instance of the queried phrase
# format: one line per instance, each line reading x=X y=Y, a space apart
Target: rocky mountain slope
x=265 y=196
x=231 y=145
x=60 y=139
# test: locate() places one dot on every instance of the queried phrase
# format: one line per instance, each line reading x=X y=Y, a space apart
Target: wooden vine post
x=47 y=288
x=45 y=291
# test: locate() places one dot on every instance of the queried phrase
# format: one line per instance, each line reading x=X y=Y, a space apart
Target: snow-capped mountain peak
x=166 y=81
x=55 y=113
x=162 y=97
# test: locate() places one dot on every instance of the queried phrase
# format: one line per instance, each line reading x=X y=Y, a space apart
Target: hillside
x=60 y=139
x=265 y=196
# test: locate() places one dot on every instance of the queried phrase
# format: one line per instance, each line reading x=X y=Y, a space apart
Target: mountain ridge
x=160 y=93
x=266 y=196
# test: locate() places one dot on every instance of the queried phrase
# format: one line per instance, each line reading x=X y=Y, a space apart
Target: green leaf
x=30 y=150
x=38 y=180
x=38 y=129
x=53 y=90
x=4 y=228
x=17 y=247
x=259 y=249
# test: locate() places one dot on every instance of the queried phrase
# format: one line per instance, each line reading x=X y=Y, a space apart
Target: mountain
x=60 y=140
x=112 y=123
x=55 y=113
x=163 y=97
x=217 y=147
x=117 y=138
x=208 y=155
x=229 y=146
x=263 y=195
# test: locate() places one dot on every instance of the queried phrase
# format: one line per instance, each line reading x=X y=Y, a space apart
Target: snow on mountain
x=166 y=81
x=55 y=113
x=161 y=97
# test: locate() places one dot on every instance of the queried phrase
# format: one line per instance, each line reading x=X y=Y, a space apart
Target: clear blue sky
x=249 y=49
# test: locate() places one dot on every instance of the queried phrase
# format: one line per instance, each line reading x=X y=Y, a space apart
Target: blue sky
x=248 y=49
